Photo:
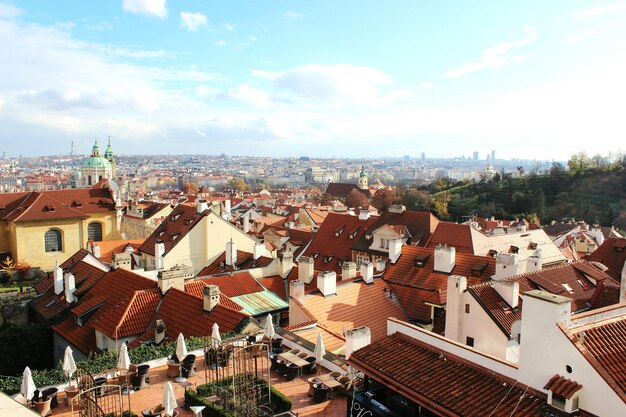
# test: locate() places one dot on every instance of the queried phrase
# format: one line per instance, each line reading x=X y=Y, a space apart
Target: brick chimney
x=396 y=209
x=159 y=331
x=367 y=272
x=348 y=270
x=534 y=262
x=327 y=283
x=211 y=297
x=306 y=269
x=286 y=263
x=508 y=290
x=121 y=260
x=58 y=279
x=445 y=258
x=246 y=224
x=296 y=290
x=257 y=250
x=174 y=278
x=95 y=250
x=454 y=305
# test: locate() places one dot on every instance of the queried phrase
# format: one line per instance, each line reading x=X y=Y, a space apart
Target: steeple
x=363 y=179
x=108 y=154
x=95 y=151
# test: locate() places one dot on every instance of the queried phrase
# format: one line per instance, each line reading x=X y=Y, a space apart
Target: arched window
x=89 y=180
x=53 y=241
x=99 y=177
x=94 y=231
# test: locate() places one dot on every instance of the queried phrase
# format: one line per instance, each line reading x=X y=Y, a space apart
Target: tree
x=441 y=201
x=237 y=184
x=416 y=200
x=557 y=169
x=326 y=199
x=190 y=188
x=578 y=163
x=383 y=199
x=356 y=199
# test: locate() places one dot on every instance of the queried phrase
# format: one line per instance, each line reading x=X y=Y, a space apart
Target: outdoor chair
x=310 y=368
x=294 y=351
x=335 y=375
x=320 y=393
x=138 y=381
x=274 y=359
x=277 y=342
x=291 y=371
x=302 y=355
x=143 y=370
x=173 y=370
x=43 y=406
x=188 y=366
x=281 y=367
x=346 y=385
x=52 y=394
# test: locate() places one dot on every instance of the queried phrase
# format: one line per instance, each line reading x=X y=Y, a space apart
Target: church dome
x=96 y=160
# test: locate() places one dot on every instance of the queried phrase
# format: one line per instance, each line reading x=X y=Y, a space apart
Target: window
x=53 y=241
x=94 y=231
x=384 y=243
x=89 y=180
x=469 y=341
x=467 y=308
x=558 y=401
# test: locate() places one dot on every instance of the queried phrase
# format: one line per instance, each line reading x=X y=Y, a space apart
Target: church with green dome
x=97 y=167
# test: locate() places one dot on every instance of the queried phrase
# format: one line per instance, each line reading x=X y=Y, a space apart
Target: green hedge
x=98 y=363
x=212 y=410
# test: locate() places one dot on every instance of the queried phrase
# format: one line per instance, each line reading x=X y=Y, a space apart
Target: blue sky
x=532 y=79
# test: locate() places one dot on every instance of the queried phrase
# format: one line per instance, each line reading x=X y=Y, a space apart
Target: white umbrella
x=169 y=399
x=28 y=385
x=215 y=335
x=269 y=327
x=319 y=349
x=123 y=362
x=69 y=366
x=181 y=347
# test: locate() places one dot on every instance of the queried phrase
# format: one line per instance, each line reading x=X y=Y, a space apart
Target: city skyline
x=360 y=80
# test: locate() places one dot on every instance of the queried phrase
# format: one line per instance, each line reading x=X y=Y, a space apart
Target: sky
x=324 y=78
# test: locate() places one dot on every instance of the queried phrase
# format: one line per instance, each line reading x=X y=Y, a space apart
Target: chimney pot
x=211 y=297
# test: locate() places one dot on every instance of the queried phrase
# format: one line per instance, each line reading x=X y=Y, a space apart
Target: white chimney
x=159 y=253
x=58 y=279
x=227 y=206
x=507 y=265
x=534 y=262
x=348 y=270
x=95 y=250
x=397 y=209
x=258 y=250
x=211 y=297
x=231 y=253
x=509 y=291
x=455 y=306
x=296 y=290
x=306 y=269
x=327 y=283
x=395 y=249
x=379 y=265
x=70 y=287
x=367 y=272
x=445 y=258
x=174 y=278
x=622 y=294
x=356 y=339
x=246 y=224
x=286 y=263
x=202 y=206
x=364 y=214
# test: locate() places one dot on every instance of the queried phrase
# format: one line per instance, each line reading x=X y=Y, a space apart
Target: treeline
x=591 y=189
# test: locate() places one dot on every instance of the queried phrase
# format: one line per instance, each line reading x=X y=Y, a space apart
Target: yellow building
x=42 y=228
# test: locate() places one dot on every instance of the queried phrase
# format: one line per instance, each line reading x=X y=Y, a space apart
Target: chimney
x=509 y=291
x=159 y=253
x=70 y=287
x=231 y=253
x=507 y=265
x=286 y=263
x=327 y=283
x=622 y=293
x=227 y=207
x=379 y=265
x=174 y=278
x=542 y=312
x=396 y=208
x=211 y=295
x=58 y=279
x=121 y=260
x=367 y=272
x=364 y=214
x=296 y=290
x=395 y=249
x=454 y=306
x=159 y=331
x=356 y=339
x=534 y=262
x=95 y=250
x=246 y=224
x=348 y=270
x=202 y=206
x=306 y=269
x=445 y=258
x=257 y=250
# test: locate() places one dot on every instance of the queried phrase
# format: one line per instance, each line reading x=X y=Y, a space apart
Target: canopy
x=123 y=362
x=28 y=385
x=215 y=335
x=181 y=347
x=169 y=399
x=69 y=366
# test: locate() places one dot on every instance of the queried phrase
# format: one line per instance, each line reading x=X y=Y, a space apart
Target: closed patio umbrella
x=269 y=327
x=123 y=361
x=181 y=352
x=215 y=335
x=169 y=399
x=319 y=351
x=28 y=385
x=69 y=365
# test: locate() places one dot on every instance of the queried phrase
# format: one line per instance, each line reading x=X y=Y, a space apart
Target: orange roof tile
x=612 y=254
x=245 y=260
x=108 y=248
x=131 y=316
x=171 y=231
x=234 y=285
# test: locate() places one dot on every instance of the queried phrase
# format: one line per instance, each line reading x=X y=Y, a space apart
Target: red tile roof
x=130 y=316
x=108 y=248
x=341 y=190
x=441 y=382
x=612 y=254
x=245 y=260
x=562 y=386
x=234 y=285
x=452 y=234
x=275 y=284
x=171 y=231
x=196 y=288
x=334 y=239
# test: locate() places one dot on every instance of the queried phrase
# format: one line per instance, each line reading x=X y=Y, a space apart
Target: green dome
x=108 y=154
x=362 y=174
x=97 y=162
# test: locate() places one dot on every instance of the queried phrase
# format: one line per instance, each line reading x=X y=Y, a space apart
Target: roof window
x=49 y=208
x=421 y=259
x=514 y=249
x=505 y=307
x=175 y=217
x=568 y=288
x=176 y=236
x=339 y=230
x=478 y=269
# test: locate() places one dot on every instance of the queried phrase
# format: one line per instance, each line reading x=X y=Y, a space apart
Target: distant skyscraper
x=493 y=155
x=475 y=155
x=423 y=158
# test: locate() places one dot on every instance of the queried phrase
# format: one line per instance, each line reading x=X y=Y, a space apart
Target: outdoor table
x=331 y=383
x=325 y=377
x=295 y=359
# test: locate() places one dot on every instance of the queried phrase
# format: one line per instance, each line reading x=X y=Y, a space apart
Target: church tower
x=363 y=179
x=96 y=167
x=108 y=154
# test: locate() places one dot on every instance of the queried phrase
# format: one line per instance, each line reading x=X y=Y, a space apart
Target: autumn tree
x=579 y=163
x=416 y=200
x=356 y=199
x=326 y=199
x=383 y=199
x=441 y=202
x=190 y=188
x=237 y=184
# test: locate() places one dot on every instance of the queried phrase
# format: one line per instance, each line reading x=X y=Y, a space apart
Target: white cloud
x=193 y=21
x=149 y=7
x=599 y=10
x=427 y=85
x=247 y=94
x=9 y=11
x=494 y=57
x=580 y=35
x=229 y=27
x=252 y=39
x=338 y=84
x=292 y=15
x=220 y=43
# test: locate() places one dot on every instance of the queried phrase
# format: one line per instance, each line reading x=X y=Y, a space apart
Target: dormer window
x=478 y=269
x=339 y=230
x=49 y=208
x=161 y=233
x=175 y=217
x=568 y=288
x=421 y=259
x=514 y=249
x=505 y=307
x=76 y=204
x=353 y=233
x=176 y=236
x=492 y=253
x=563 y=394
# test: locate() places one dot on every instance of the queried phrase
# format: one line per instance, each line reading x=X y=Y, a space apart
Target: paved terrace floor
x=296 y=391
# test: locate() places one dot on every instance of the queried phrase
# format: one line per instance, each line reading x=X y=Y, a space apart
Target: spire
x=108 y=154
x=95 y=151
